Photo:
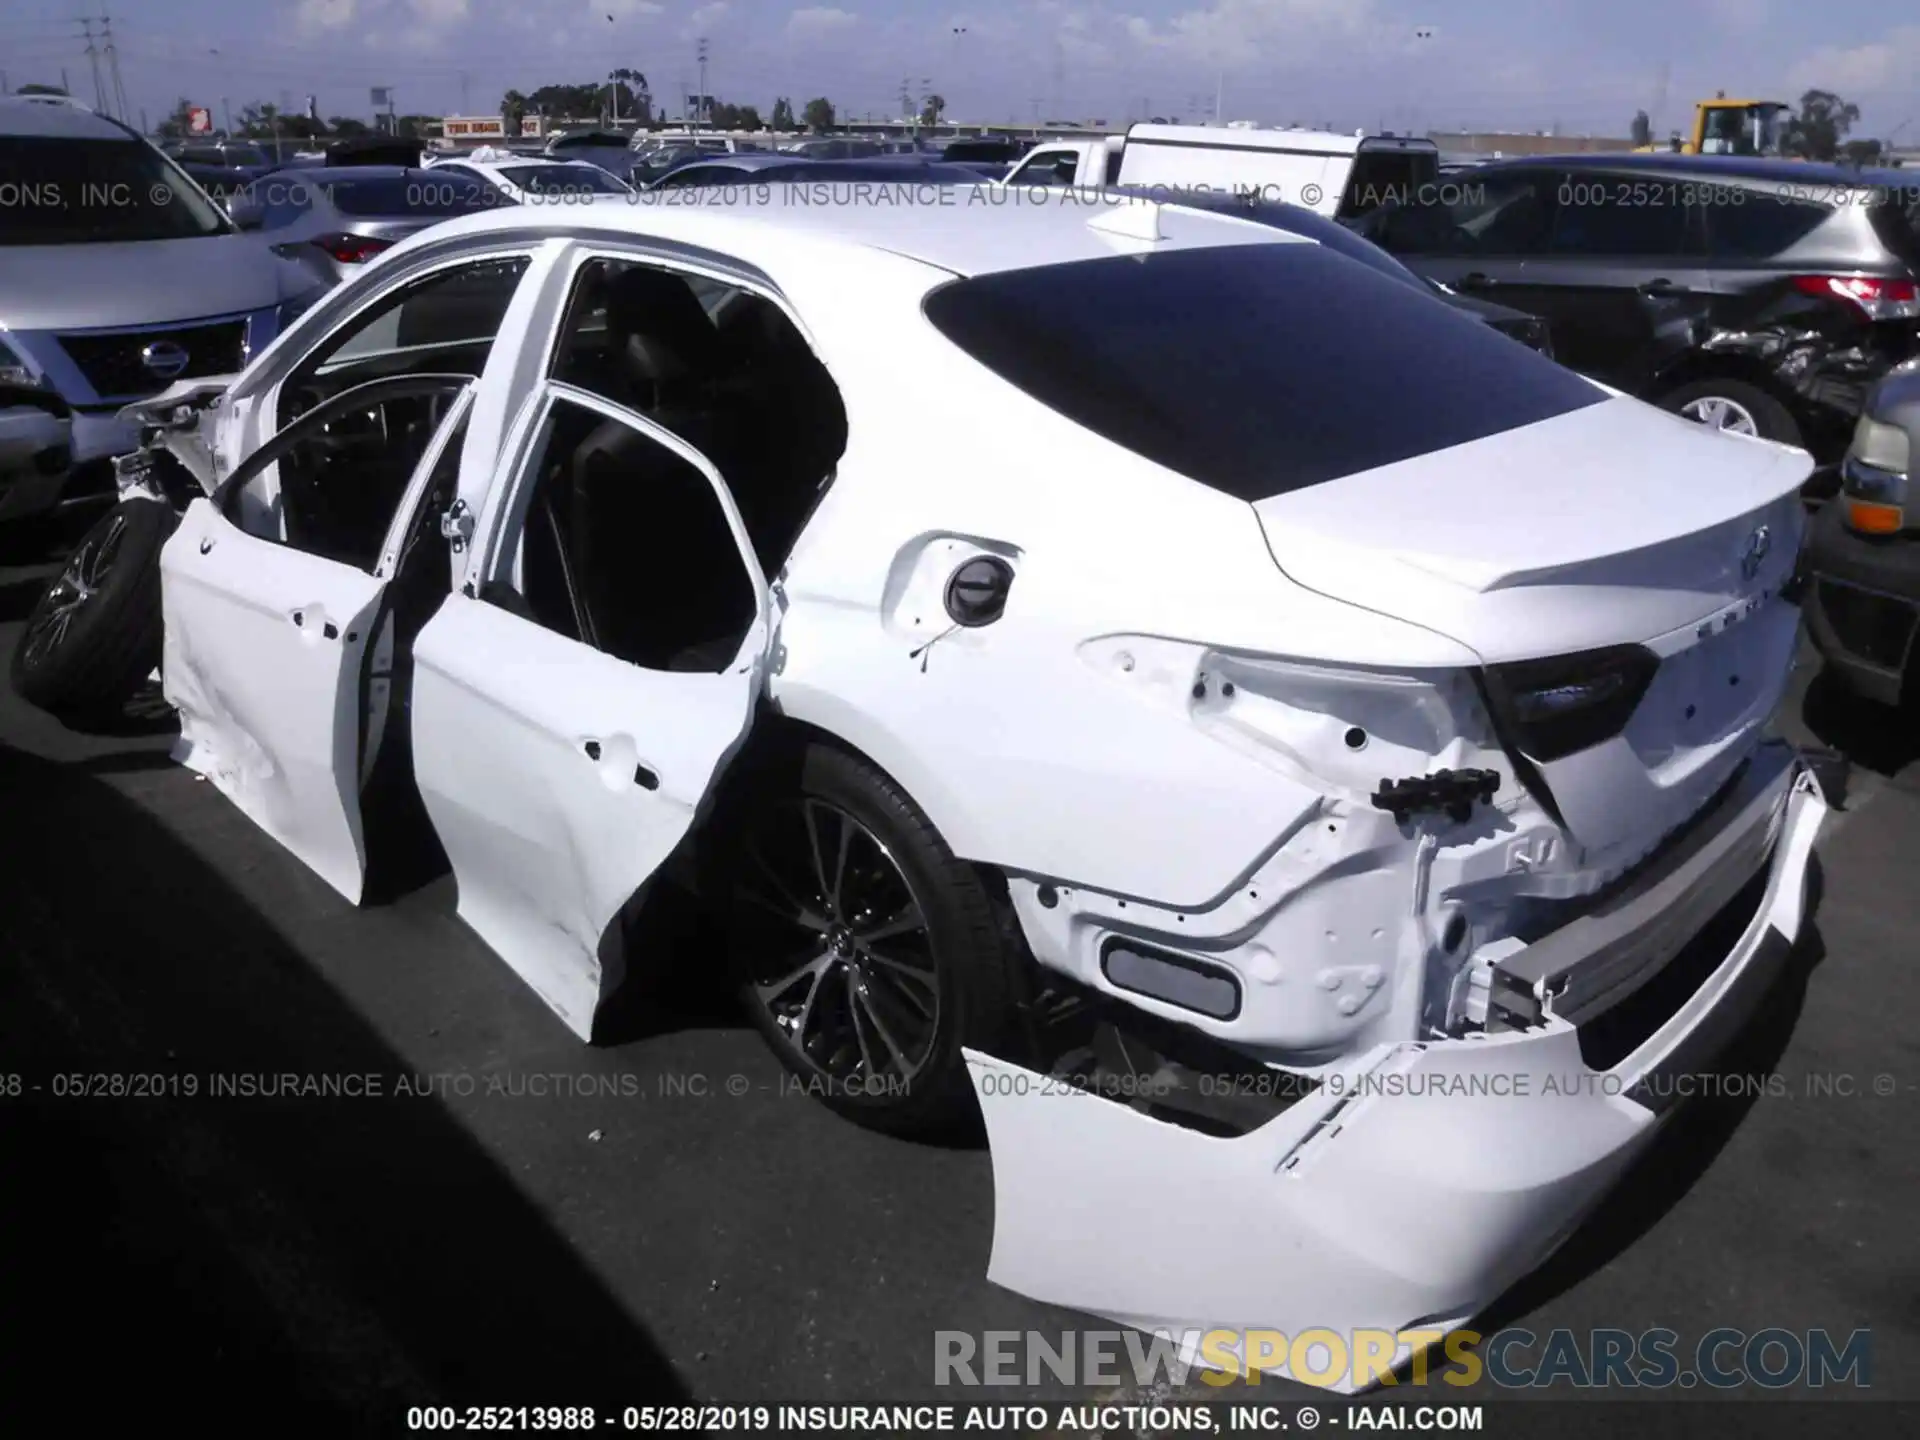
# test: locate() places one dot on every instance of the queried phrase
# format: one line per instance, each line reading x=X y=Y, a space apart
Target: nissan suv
x=118 y=277
x=1759 y=296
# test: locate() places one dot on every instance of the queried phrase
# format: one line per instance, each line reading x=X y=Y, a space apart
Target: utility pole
x=226 y=114
x=1219 y=95
x=701 y=51
x=113 y=68
x=93 y=59
x=463 y=93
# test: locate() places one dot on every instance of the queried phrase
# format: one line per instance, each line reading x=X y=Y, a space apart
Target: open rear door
x=559 y=776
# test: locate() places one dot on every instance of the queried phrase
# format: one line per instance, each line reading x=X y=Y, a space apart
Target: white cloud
x=1878 y=68
x=1238 y=32
x=1743 y=15
x=324 y=14
x=813 y=22
x=440 y=12
x=704 y=17
x=624 y=9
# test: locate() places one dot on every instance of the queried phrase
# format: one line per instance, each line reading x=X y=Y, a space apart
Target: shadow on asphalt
x=1879 y=738
x=327 y=1262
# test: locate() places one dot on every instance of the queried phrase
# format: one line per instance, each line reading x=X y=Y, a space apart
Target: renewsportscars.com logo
x=1655 y=1359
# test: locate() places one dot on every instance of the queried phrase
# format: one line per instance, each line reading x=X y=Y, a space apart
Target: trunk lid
x=1608 y=525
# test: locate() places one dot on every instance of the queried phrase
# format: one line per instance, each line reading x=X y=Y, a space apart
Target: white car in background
x=524 y=178
x=1330 y=823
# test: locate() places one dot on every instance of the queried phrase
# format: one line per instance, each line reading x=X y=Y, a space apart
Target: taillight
x=352 y=249
x=1874 y=297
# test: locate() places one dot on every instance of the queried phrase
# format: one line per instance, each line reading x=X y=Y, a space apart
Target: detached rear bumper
x=1415 y=1185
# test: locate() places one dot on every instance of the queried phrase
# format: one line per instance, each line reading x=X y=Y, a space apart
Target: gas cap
x=977 y=591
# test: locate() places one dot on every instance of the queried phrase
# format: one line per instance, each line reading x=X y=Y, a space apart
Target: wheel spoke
x=907 y=922
x=856 y=1005
x=812 y=961
x=783 y=902
x=831 y=876
x=917 y=988
x=101 y=557
x=871 y=1011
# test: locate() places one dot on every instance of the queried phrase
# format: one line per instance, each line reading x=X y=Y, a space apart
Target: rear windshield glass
x=75 y=192
x=1896 y=220
x=424 y=194
x=1255 y=370
x=1403 y=177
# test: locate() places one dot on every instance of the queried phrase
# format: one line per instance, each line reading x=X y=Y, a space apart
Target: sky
x=1583 y=67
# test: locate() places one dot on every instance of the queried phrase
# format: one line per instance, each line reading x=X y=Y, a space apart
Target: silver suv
x=118 y=277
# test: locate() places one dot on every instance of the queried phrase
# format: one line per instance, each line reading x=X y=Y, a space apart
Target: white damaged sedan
x=1296 y=758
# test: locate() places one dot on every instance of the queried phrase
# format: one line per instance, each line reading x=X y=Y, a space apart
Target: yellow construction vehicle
x=1732 y=127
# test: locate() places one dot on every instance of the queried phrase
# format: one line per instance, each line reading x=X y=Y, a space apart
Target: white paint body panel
x=269 y=700
x=548 y=844
x=1152 y=737
x=1431 y=1193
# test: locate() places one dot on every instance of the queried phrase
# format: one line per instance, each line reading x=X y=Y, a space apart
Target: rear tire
x=95 y=636
x=866 y=953
x=1734 y=405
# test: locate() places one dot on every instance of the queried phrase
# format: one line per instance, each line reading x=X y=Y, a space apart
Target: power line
x=93 y=59
x=113 y=66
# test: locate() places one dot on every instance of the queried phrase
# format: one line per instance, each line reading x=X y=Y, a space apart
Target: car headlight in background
x=1873 y=478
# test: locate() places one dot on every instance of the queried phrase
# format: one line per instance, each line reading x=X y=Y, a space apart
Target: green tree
x=1817 y=132
x=177 y=126
x=346 y=127
x=783 y=114
x=818 y=114
x=39 y=90
x=1641 y=130
x=931 y=112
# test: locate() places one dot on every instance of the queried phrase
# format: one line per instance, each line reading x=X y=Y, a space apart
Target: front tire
x=1735 y=406
x=866 y=953
x=95 y=635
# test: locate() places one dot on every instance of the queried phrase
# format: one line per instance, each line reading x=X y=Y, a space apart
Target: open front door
x=269 y=613
x=575 y=703
x=262 y=662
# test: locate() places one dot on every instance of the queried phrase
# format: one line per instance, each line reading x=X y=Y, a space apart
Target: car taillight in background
x=1875 y=297
x=352 y=249
x=1873 y=480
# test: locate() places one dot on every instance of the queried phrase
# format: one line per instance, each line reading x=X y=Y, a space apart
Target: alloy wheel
x=86 y=569
x=1717 y=412
x=842 y=952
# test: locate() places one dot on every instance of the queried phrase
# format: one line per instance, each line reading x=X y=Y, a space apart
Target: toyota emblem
x=164 y=359
x=1755 y=555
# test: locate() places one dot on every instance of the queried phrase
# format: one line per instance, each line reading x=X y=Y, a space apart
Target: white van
x=1340 y=176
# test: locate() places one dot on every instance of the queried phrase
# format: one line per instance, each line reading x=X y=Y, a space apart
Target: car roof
x=57 y=118
x=971 y=230
x=1721 y=167
x=336 y=173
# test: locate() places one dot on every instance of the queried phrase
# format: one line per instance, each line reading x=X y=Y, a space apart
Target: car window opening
x=724 y=369
x=445 y=324
x=626 y=548
x=341 y=477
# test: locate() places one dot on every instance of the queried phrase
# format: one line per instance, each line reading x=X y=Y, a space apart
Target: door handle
x=1662 y=286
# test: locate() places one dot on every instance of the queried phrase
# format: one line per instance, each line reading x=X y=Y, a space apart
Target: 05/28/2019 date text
x=671 y=1419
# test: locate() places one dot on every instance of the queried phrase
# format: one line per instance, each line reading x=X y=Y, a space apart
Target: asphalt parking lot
x=482 y=1243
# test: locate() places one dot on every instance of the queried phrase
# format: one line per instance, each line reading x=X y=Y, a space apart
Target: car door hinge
x=457 y=526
